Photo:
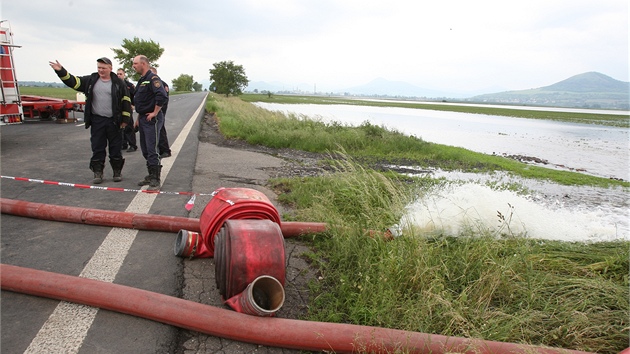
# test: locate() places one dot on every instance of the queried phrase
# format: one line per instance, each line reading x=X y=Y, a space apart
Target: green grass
x=622 y=121
x=370 y=143
x=56 y=92
x=478 y=284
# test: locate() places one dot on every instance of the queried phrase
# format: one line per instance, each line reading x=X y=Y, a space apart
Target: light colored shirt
x=102 y=98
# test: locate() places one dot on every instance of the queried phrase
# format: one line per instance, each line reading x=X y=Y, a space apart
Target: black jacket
x=165 y=105
x=121 y=103
x=131 y=88
x=149 y=93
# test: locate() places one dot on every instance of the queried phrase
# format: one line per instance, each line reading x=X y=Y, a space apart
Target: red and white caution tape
x=189 y=205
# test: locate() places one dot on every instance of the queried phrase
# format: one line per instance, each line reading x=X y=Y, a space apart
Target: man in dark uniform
x=149 y=98
x=163 y=147
x=129 y=134
x=107 y=111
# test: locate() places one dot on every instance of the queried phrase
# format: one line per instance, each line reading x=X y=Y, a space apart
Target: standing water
x=547 y=210
x=594 y=149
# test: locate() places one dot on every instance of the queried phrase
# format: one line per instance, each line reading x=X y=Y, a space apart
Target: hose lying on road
x=269 y=331
x=130 y=220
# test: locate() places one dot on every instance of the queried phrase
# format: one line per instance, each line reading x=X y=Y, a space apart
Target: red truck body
x=16 y=108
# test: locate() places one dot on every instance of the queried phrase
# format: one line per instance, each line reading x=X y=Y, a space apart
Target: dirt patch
x=296 y=163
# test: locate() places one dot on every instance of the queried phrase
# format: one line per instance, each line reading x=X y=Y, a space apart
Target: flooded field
x=544 y=210
x=593 y=149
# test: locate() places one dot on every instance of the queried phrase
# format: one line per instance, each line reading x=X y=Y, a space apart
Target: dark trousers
x=163 y=146
x=150 y=137
x=129 y=136
x=103 y=132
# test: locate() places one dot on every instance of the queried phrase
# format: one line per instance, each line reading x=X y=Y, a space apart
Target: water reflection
x=597 y=150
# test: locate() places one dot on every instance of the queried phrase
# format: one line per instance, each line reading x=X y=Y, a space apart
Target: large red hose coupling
x=226 y=204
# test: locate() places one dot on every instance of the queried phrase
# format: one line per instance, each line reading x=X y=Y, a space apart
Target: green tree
x=183 y=83
x=227 y=78
x=197 y=87
x=134 y=47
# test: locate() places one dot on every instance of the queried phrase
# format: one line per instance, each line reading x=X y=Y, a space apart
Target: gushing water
x=472 y=206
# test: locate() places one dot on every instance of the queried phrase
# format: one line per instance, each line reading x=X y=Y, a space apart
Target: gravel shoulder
x=230 y=163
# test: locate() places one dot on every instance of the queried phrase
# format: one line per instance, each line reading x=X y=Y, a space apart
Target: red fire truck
x=15 y=108
x=11 y=106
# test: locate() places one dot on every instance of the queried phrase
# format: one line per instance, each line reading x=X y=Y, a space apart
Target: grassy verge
x=622 y=121
x=481 y=284
x=478 y=284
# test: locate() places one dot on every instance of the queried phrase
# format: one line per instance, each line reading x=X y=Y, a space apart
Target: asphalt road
x=142 y=259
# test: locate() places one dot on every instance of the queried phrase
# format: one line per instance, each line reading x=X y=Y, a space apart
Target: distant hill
x=378 y=87
x=587 y=90
x=589 y=82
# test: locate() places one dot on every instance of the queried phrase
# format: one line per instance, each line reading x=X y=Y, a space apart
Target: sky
x=461 y=46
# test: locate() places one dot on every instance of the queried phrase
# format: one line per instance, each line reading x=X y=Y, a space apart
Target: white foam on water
x=456 y=207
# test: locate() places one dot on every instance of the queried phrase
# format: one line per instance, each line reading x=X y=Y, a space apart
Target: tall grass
x=477 y=284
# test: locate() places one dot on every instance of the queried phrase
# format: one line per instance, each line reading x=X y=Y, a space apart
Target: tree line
x=226 y=77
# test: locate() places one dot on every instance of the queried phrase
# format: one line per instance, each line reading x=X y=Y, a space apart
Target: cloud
x=451 y=44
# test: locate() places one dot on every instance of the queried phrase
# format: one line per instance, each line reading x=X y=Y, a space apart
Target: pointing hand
x=55 y=65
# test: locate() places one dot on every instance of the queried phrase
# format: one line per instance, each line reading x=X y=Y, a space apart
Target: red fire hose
x=305 y=335
x=130 y=220
x=270 y=331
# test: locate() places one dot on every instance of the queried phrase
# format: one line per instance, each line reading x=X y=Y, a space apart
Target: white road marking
x=67 y=326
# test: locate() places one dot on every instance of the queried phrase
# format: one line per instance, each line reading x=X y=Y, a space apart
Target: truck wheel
x=44 y=115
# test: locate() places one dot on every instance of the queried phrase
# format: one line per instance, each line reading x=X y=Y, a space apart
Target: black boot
x=154 y=177
x=117 y=165
x=145 y=181
x=97 y=167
